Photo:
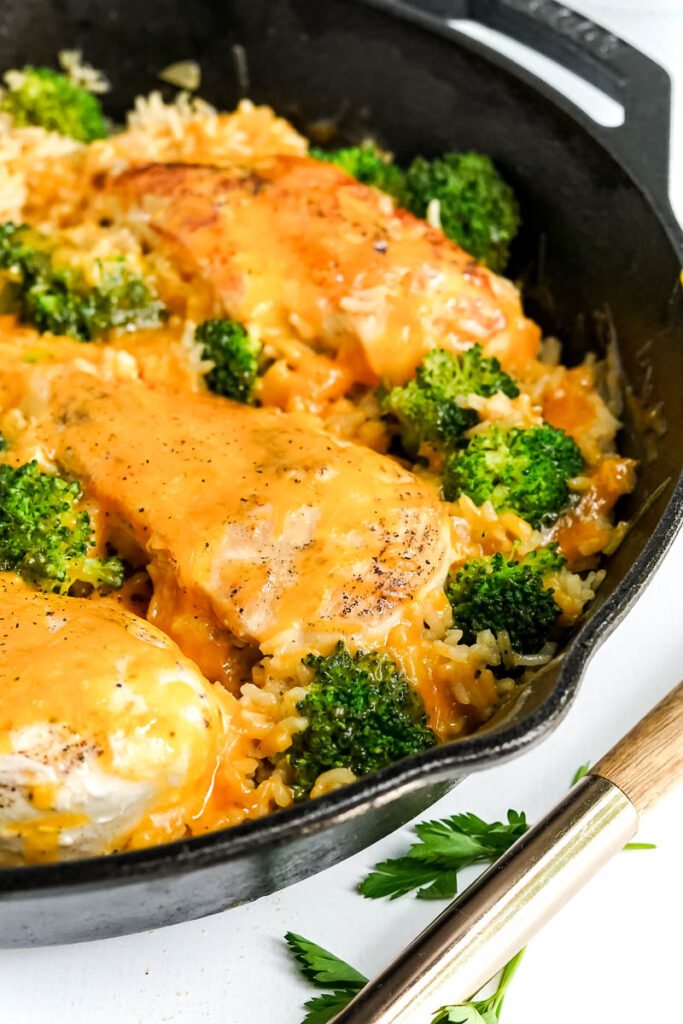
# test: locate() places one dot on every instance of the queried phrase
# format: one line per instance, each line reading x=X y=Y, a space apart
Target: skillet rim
x=448 y=762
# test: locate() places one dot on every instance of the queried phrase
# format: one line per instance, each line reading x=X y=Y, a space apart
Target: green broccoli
x=43 y=535
x=362 y=714
x=500 y=593
x=59 y=300
x=24 y=252
x=120 y=300
x=235 y=355
x=368 y=164
x=521 y=471
x=477 y=209
x=427 y=406
x=42 y=97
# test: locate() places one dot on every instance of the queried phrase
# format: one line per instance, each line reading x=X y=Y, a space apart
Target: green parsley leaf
x=325 y=970
x=465 y=1014
x=322 y=1009
x=398 y=877
x=580 y=772
x=444 y=887
x=322 y=967
x=446 y=846
x=482 y=1011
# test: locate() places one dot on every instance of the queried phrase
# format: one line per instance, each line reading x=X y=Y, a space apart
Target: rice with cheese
x=46 y=180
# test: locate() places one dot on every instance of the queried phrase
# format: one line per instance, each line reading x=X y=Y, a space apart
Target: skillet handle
x=643 y=88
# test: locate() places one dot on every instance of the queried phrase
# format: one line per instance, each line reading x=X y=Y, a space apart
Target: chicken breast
x=294 y=247
x=261 y=529
x=109 y=736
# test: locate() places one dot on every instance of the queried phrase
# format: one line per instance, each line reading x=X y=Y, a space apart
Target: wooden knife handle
x=648 y=761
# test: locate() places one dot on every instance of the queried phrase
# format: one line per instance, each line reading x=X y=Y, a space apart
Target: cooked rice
x=83 y=75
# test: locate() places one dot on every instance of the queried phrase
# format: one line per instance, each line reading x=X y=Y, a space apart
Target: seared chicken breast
x=109 y=736
x=261 y=529
x=293 y=247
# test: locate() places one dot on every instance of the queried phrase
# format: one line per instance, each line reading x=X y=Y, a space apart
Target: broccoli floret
x=235 y=355
x=43 y=535
x=59 y=300
x=521 y=471
x=368 y=164
x=121 y=299
x=498 y=593
x=362 y=714
x=24 y=252
x=42 y=97
x=427 y=406
x=477 y=209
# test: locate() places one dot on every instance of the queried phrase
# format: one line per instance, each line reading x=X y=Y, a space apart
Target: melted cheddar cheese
x=294 y=247
x=109 y=737
x=258 y=523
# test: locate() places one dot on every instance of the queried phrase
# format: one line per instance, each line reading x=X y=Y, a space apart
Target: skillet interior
x=593 y=252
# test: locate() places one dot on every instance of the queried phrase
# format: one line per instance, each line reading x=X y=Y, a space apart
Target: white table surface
x=612 y=955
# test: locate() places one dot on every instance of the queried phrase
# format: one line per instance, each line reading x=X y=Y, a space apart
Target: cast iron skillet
x=600 y=250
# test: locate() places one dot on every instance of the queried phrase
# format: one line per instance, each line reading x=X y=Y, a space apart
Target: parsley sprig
x=482 y=1011
x=445 y=847
x=326 y=971
x=431 y=866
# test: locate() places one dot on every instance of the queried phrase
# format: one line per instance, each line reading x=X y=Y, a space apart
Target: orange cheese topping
x=117 y=693
x=459 y=693
x=286 y=532
x=297 y=248
x=569 y=403
x=303 y=380
x=40 y=837
x=585 y=531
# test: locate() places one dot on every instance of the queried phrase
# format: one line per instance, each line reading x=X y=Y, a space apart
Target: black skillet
x=600 y=250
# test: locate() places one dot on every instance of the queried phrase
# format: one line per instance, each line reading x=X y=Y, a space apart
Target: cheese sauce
x=103 y=721
x=285 y=532
x=296 y=247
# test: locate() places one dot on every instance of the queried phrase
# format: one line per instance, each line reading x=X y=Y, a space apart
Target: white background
x=613 y=955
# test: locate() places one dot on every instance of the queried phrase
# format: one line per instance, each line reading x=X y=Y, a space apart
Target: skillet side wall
x=177 y=889
x=602 y=246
